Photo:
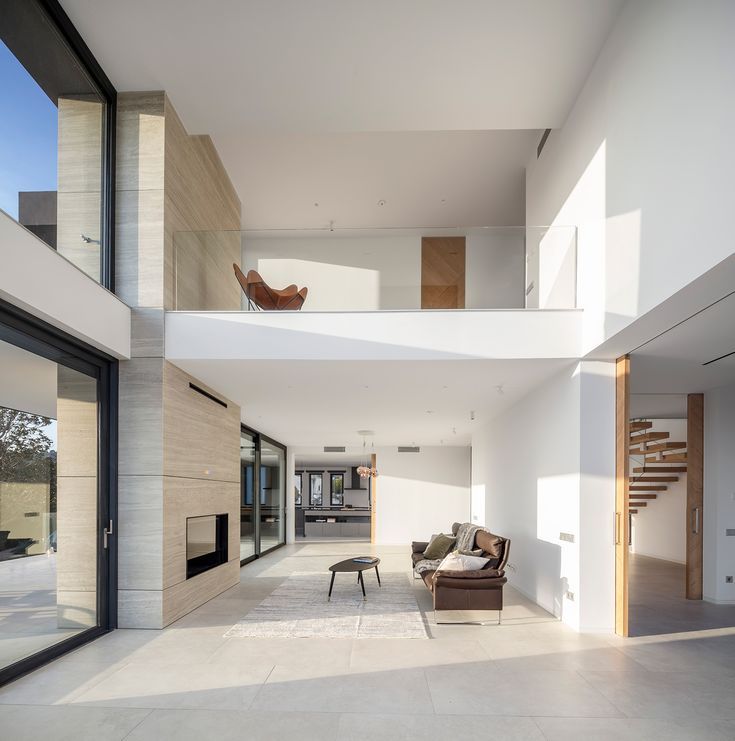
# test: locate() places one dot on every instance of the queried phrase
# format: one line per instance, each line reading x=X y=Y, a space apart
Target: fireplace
x=206 y=543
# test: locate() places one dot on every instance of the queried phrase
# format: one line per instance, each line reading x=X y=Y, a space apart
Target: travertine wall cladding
x=179 y=451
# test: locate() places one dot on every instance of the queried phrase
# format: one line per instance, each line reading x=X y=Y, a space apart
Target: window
x=57 y=112
x=315 y=489
x=298 y=482
x=337 y=489
x=56 y=493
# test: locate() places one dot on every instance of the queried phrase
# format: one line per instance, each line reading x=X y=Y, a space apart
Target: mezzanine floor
x=531 y=678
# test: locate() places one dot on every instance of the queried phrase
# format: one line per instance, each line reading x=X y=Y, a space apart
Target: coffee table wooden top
x=349 y=565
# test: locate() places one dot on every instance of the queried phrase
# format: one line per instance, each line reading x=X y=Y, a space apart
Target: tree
x=25 y=448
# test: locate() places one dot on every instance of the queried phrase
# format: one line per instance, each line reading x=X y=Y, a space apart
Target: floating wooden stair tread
x=648 y=437
x=633 y=511
x=639 y=504
x=647 y=479
x=658 y=448
x=649 y=487
x=638 y=426
x=660 y=469
x=642 y=496
x=674 y=458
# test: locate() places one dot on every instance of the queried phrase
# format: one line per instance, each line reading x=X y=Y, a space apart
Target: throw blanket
x=428 y=564
x=466 y=536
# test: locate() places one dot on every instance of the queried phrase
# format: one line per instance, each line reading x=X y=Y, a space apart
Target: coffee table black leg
x=377 y=573
x=331 y=584
x=362 y=584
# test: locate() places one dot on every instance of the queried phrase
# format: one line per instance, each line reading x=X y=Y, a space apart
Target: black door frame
x=258 y=437
x=23 y=330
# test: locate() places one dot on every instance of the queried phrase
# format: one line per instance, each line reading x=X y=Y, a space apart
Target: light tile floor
x=530 y=678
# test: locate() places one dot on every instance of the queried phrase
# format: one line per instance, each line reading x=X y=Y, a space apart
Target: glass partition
x=483 y=268
x=272 y=495
x=55 y=134
x=247 y=496
x=53 y=500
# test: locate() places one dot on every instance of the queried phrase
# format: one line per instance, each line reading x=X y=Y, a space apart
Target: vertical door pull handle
x=695 y=521
x=106 y=533
x=617 y=528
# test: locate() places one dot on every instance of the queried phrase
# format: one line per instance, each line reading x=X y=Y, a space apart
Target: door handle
x=695 y=521
x=106 y=533
x=616 y=528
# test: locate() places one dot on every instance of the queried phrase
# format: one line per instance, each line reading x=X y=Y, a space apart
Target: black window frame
x=26 y=331
x=311 y=488
x=77 y=47
x=298 y=498
x=332 y=476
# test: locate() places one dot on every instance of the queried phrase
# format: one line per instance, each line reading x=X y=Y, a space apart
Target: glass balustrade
x=338 y=270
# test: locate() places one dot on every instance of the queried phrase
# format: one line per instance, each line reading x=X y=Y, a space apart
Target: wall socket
x=570 y=596
x=728 y=580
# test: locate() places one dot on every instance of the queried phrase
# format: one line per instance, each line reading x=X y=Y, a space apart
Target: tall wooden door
x=442 y=273
x=695 y=494
x=622 y=518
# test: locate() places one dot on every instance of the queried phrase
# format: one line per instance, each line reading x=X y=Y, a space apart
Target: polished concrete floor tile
x=377 y=655
x=67 y=723
x=177 y=686
x=369 y=727
x=486 y=690
x=233 y=725
x=631 y=729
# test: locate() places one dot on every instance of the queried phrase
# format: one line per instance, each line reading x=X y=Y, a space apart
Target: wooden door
x=442 y=273
x=622 y=519
x=695 y=494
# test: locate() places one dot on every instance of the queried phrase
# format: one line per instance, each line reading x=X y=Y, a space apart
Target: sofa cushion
x=416 y=557
x=493 y=547
x=439 y=546
x=458 y=562
x=455 y=528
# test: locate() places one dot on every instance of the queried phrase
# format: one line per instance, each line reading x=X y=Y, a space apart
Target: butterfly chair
x=261 y=296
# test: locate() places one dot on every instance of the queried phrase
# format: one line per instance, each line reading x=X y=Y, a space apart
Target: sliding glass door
x=54 y=496
x=263 y=494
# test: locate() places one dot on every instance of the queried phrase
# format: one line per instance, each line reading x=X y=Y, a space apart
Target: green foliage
x=25 y=448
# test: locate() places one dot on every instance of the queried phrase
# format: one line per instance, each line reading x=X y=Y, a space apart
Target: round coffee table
x=350 y=566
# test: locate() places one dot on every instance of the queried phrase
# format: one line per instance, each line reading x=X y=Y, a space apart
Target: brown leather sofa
x=469 y=590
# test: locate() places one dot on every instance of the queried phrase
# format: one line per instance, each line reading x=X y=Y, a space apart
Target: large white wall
x=418 y=494
x=719 y=494
x=366 y=273
x=545 y=470
x=643 y=164
x=659 y=529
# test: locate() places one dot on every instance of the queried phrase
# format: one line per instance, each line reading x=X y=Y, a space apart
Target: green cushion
x=439 y=546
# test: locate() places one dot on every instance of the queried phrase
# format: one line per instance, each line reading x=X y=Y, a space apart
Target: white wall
x=384 y=272
x=659 y=529
x=643 y=163
x=719 y=493
x=419 y=494
x=356 y=273
x=546 y=468
x=37 y=279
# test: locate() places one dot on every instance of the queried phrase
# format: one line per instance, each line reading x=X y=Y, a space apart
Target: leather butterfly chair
x=262 y=296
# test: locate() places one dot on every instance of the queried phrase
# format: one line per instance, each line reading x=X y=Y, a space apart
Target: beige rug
x=298 y=608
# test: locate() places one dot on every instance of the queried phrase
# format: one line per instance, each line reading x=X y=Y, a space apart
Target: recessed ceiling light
x=444 y=200
x=381 y=202
x=430 y=411
x=316 y=204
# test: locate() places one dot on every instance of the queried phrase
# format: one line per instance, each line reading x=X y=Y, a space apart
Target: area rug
x=298 y=608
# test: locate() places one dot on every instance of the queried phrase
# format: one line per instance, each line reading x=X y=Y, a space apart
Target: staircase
x=657 y=462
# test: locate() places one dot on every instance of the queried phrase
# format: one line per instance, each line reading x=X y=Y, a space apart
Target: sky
x=28 y=131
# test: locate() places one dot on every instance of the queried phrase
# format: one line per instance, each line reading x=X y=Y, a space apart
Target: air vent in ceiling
x=408 y=449
x=334 y=448
x=722 y=357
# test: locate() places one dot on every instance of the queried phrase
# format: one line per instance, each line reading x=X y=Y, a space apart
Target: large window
x=55 y=488
x=262 y=516
x=315 y=489
x=298 y=483
x=56 y=135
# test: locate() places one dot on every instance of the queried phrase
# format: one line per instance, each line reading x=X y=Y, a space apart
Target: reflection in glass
x=48 y=503
x=315 y=489
x=52 y=136
x=298 y=482
x=272 y=495
x=337 y=489
x=247 y=487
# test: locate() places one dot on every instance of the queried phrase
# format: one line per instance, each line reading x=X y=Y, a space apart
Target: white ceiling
x=280 y=86
x=673 y=363
x=317 y=403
